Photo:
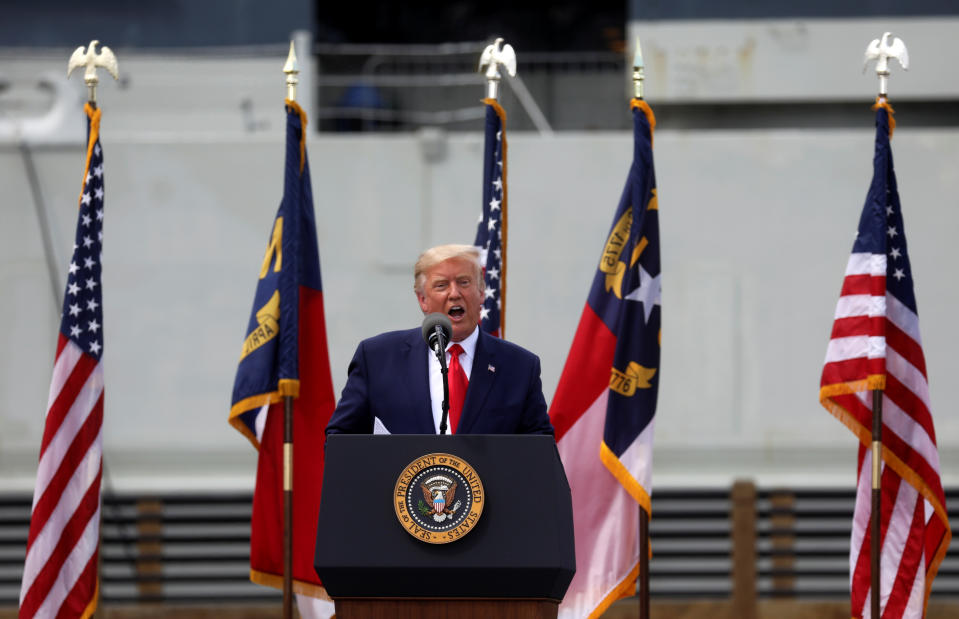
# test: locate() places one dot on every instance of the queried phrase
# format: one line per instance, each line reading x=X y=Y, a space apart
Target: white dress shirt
x=436 y=374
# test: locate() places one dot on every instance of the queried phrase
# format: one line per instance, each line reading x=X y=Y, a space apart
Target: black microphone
x=437 y=330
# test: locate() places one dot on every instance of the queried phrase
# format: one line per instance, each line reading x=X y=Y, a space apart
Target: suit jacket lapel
x=416 y=375
x=481 y=381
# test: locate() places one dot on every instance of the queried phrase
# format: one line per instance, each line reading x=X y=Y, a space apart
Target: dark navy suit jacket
x=389 y=379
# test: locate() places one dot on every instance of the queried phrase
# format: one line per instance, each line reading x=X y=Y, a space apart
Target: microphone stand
x=441 y=357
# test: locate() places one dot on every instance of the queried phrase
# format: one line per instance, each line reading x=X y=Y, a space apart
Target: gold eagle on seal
x=439 y=499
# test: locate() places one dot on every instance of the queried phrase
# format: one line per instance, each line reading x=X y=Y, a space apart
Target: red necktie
x=458 y=385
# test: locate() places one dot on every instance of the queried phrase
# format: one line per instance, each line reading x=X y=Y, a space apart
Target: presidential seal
x=438 y=498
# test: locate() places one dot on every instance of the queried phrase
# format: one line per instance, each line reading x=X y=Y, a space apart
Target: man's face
x=451 y=288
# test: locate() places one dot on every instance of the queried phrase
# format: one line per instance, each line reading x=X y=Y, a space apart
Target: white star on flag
x=648 y=293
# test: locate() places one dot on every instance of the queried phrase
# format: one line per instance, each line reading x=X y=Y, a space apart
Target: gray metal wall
x=756 y=229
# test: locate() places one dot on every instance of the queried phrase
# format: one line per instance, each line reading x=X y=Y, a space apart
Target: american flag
x=875 y=344
x=491 y=229
x=60 y=571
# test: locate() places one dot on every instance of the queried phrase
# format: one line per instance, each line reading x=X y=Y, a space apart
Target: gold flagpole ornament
x=494 y=56
x=292 y=69
x=91 y=59
x=638 y=74
x=881 y=50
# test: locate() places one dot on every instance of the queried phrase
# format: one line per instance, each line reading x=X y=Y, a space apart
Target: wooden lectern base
x=442 y=608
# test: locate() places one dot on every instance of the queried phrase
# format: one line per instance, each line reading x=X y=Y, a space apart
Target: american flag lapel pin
x=491 y=368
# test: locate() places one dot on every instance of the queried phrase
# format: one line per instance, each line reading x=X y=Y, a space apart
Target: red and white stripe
x=857 y=347
x=875 y=344
x=60 y=571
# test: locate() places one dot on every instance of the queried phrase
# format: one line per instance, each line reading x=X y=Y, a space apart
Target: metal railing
x=184 y=549
x=741 y=545
x=404 y=87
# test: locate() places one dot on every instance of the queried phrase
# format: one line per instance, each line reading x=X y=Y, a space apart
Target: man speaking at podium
x=395 y=383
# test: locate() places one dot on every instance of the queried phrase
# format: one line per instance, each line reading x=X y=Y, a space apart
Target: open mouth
x=456 y=311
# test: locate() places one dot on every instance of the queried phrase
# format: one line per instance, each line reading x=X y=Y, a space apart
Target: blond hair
x=435 y=255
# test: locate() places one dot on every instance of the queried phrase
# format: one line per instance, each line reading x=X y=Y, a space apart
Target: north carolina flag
x=604 y=404
x=285 y=353
x=875 y=344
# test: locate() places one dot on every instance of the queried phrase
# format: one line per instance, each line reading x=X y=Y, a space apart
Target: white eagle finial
x=882 y=50
x=91 y=60
x=494 y=56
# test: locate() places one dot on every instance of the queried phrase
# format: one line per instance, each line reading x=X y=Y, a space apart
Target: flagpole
x=291 y=69
x=875 y=524
x=638 y=77
x=493 y=56
x=881 y=50
x=91 y=60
